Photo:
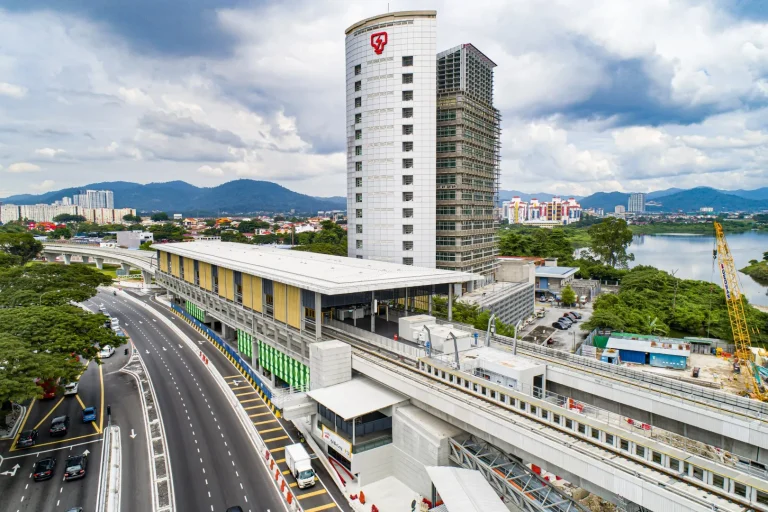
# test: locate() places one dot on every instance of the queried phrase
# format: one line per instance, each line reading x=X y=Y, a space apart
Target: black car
x=559 y=325
x=75 y=467
x=43 y=469
x=574 y=313
x=234 y=509
x=59 y=426
x=27 y=439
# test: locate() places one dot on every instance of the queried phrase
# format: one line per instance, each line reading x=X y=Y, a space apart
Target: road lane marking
x=253 y=407
x=270 y=430
x=37 y=454
x=95 y=427
x=265 y=422
x=50 y=412
x=259 y=414
x=26 y=417
x=278 y=461
x=246 y=393
x=310 y=494
x=278 y=438
x=321 y=507
x=101 y=411
x=241 y=387
x=65 y=441
x=232 y=376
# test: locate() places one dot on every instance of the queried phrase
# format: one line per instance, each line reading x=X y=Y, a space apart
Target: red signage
x=379 y=41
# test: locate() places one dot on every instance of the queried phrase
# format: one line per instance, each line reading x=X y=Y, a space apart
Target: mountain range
x=234 y=197
x=250 y=196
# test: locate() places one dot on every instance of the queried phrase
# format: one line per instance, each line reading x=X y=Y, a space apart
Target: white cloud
x=20 y=167
x=49 y=152
x=135 y=96
x=43 y=186
x=211 y=171
x=14 y=91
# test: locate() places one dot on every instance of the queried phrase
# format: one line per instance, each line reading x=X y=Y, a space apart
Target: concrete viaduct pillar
x=67 y=259
x=146 y=277
x=126 y=268
x=86 y=259
x=99 y=263
x=50 y=256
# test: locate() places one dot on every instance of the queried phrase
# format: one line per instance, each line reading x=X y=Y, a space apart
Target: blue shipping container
x=669 y=361
x=632 y=356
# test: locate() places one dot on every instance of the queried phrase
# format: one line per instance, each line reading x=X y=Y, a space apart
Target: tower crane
x=736 y=314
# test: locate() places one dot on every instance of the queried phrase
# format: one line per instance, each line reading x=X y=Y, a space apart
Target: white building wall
x=382 y=188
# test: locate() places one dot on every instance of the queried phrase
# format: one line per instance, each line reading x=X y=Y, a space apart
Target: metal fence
x=376 y=340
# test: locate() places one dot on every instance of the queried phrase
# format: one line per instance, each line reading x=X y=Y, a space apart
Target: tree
x=48 y=284
x=278 y=218
x=60 y=233
x=568 y=296
x=45 y=343
x=168 y=231
x=610 y=240
x=22 y=245
x=132 y=218
x=160 y=217
x=66 y=217
x=765 y=256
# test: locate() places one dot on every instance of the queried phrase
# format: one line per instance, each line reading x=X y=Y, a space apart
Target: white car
x=102 y=308
x=71 y=388
x=106 y=351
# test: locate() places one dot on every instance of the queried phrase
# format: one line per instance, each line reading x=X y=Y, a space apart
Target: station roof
x=356 y=397
x=330 y=275
x=464 y=490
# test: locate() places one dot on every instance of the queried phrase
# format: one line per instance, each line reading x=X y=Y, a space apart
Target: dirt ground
x=712 y=369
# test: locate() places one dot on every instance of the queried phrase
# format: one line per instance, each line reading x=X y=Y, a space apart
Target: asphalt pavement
x=213 y=463
x=18 y=491
x=273 y=429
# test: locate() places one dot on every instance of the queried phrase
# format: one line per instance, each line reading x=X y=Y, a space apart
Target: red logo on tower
x=379 y=41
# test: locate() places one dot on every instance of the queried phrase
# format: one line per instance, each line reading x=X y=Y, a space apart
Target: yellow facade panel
x=280 y=301
x=247 y=293
x=189 y=270
x=230 y=285
x=256 y=289
x=163 y=261
x=205 y=275
x=294 y=307
x=175 y=265
x=222 y=272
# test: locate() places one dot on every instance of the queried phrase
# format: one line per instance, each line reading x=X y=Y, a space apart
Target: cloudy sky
x=595 y=95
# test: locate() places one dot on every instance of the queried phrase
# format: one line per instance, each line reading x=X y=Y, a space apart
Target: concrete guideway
x=211 y=454
x=146 y=261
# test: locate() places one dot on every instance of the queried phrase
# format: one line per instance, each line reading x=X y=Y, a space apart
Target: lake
x=691 y=255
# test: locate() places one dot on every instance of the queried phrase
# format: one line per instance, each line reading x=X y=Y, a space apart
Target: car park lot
x=561 y=339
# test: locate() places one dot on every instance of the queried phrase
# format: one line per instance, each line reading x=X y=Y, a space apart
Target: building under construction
x=468 y=155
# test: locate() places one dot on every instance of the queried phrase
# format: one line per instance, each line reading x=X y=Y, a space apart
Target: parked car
x=570 y=316
x=543 y=298
x=59 y=426
x=71 y=388
x=75 y=467
x=89 y=414
x=559 y=325
x=576 y=314
x=107 y=351
x=43 y=469
x=27 y=439
x=566 y=320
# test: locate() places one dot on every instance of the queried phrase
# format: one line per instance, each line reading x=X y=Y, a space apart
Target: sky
x=595 y=95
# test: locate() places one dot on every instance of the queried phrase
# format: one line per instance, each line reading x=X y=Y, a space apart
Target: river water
x=691 y=256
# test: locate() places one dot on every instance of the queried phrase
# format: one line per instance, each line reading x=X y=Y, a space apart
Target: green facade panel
x=283 y=366
x=196 y=311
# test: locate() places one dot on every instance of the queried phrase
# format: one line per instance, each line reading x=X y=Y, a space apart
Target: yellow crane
x=736 y=314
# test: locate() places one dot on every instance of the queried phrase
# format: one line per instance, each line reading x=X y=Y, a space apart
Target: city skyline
x=584 y=108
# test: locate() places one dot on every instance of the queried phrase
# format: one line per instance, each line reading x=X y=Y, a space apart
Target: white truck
x=299 y=463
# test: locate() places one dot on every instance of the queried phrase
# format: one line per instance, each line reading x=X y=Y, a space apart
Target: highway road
x=99 y=385
x=213 y=462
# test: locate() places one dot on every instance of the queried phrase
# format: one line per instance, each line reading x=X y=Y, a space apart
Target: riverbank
x=707 y=228
x=757 y=271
